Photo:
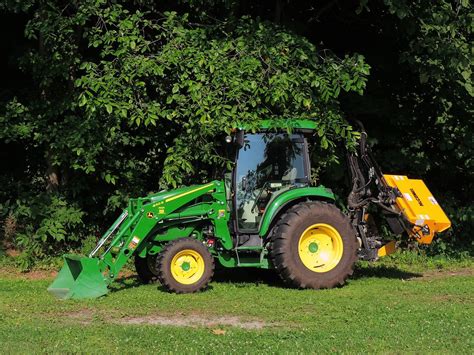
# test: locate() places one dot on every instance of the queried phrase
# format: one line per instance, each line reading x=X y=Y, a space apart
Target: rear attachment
x=418 y=206
x=407 y=204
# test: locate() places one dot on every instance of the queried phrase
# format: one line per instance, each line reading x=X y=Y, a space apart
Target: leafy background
x=104 y=100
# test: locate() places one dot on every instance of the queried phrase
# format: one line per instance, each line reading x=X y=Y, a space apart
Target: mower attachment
x=79 y=278
x=419 y=207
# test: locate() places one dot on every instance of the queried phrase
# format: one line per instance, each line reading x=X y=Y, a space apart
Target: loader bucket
x=79 y=278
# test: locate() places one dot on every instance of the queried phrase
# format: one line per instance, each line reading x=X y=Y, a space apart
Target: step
x=250 y=264
x=255 y=247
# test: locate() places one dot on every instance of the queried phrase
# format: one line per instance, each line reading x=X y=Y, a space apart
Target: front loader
x=264 y=214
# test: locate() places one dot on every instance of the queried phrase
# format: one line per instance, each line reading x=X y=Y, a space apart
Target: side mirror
x=244 y=184
x=239 y=138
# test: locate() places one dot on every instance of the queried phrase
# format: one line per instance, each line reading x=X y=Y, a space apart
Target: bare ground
x=193 y=320
x=86 y=316
x=11 y=273
x=437 y=274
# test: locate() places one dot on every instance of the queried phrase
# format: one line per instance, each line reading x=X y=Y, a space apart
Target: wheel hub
x=320 y=247
x=187 y=267
x=313 y=247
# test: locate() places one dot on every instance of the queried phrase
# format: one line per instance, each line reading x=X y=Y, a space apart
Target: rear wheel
x=146 y=268
x=185 y=265
x=313 y=245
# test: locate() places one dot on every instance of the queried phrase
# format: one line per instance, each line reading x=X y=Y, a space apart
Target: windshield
x=267 y=164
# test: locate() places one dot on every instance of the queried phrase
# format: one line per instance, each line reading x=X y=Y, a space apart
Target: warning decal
x=133 y=244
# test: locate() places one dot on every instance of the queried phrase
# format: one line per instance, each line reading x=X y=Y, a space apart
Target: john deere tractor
x=263 y=214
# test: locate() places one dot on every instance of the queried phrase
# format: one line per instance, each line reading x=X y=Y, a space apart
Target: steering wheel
x=259 y=195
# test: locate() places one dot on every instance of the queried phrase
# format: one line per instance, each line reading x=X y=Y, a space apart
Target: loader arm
x=83 y=277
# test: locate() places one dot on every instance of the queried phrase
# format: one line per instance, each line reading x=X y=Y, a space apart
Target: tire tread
x=280 y=238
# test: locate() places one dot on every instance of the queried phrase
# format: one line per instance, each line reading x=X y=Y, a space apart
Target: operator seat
x=290 y=175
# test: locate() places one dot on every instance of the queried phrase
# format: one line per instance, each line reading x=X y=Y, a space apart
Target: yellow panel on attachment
x=419 y=206
x=387 y=249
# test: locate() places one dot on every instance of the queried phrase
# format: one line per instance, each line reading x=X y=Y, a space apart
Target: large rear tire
x=313 y=245
x=185 y=266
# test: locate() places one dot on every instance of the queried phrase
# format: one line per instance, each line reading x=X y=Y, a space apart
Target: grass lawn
x=383 y=308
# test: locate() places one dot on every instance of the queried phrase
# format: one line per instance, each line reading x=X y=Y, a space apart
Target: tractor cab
x=267 y=164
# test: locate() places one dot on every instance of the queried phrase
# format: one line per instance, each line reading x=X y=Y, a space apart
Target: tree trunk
x=52 y=175
x=278 y=11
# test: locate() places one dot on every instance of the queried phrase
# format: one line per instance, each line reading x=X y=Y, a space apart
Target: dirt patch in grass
x=192 y=321
x=443 y=299
x=436 y=274
x=83 y=316
x=39 y=275
x=12 y=273
x=86 y=316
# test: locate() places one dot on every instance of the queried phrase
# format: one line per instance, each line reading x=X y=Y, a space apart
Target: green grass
x=384 y=308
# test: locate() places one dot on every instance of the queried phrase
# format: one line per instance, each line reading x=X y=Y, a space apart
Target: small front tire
x=146 y=268
x=185 y=266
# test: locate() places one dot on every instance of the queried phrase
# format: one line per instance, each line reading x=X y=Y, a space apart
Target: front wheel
x=146 y=268
x=313 y=245
x=185 y=265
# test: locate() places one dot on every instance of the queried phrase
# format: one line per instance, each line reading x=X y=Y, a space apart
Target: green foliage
x=438 y=46
x=422 y=261
x=106 y=100
x=435 y=118
x=458 y=240
x=124 y=99
x=197 y=83
x=45 y=226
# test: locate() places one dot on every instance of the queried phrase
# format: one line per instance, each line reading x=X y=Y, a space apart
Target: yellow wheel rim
x=320 y=247
x=187 y=267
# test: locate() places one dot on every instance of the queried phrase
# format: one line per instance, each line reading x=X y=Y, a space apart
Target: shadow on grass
x=133 y=281
x=243 y=277
x=239 y=277
x=122 y=283
x=246 y=276
x=382 y=271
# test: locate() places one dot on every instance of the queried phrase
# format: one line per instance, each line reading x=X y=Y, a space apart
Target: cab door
x=267 y=164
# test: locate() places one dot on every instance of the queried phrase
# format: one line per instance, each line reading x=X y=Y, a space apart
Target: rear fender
x=288 y=198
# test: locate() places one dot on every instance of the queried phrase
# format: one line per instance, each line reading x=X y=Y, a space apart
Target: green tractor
x=264 y=214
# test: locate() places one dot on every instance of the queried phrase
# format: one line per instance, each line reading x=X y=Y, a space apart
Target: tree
x=106 y=100
x=124 y=96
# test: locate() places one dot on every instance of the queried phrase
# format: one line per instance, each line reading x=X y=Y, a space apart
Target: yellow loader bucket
x=79 y=278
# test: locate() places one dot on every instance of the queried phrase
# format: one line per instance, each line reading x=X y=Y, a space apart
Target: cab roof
x=284 y=124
